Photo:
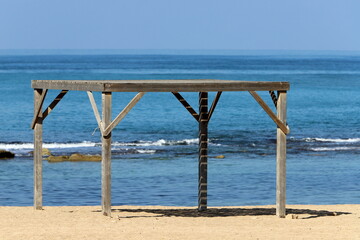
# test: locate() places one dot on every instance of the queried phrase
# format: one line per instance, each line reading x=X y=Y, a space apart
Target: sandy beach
x=155 y=222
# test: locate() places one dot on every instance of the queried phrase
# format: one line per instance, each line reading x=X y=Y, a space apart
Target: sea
x=155 y=148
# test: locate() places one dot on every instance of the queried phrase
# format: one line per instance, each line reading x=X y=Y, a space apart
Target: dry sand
x=130 y=222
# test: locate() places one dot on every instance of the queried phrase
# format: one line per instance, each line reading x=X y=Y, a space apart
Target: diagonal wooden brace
x=123 y=113
x=267 y=109
x=38 y=108
x=53 y=104
x=96 y=111
x=213 y=105
x=192 y=111
x=186 y=105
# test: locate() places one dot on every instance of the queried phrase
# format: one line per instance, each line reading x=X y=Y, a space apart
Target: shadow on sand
x=224 y=212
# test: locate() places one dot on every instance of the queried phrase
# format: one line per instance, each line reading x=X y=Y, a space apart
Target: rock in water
x=77 y=157
x=6 y=154
x=45 y=152
x=53 y=159
x=220 y=157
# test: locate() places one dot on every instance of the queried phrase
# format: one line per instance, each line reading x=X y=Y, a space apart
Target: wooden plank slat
x=203 y=150
x=38 y=98
x=96 y=111
x=189 y=85
x=281 y=159
x=123 y=113
x=53 y=104
x=266 y=108
x=186 y=105
x=38 y=107
x=106 y=156
x=213 y=105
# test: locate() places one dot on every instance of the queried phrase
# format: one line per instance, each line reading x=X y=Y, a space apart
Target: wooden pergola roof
x=194 y=85
x=202 y=116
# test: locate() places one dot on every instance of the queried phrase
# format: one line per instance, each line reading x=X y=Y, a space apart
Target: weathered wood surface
x=38 y=105
x=213 y=105
x=203 y=150
x=96 y=111
x=281 y=159
x=106 y=156
x=194 y=85
x=268 y=110
x=53 y=104
x=123 y=113
x=38 y=99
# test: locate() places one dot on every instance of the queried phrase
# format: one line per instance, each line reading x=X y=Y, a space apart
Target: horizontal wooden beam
x=38 y=107
x=267 y=109
x=123 y=113
x=186 y=105
x=189 y=85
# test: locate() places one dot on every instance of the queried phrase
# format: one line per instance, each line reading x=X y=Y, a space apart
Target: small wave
x=19 y=146
x=161 y=142
x=146 y=151
x=327 y=149
x=330 y=140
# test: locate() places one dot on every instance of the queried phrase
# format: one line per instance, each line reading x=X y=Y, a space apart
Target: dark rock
x=6 y=154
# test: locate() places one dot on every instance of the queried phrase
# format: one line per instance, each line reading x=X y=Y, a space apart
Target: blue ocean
x=155 y=147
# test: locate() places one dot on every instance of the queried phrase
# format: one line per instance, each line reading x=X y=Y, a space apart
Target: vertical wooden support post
x=281 y=158
x=38 y=152
x=106 y=156
x=203 y=150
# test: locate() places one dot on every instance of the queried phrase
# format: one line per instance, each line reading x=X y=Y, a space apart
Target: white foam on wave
x=161 y=142
x=327 y=149
x=333 y=140
x=146 y=151
x=19 y=146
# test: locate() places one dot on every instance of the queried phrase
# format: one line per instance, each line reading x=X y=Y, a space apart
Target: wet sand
x=156 y=222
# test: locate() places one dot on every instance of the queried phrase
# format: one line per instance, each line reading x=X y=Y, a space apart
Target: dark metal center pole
x=203 y=150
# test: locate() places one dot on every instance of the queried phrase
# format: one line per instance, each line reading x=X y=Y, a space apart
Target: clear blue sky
x=180 y=24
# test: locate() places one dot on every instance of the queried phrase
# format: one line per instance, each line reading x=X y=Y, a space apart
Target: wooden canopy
x=203 y=116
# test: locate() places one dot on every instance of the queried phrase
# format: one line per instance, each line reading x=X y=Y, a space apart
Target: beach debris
x=292 y=216
x=220 y=157
x=6 y=154
x=76 y=157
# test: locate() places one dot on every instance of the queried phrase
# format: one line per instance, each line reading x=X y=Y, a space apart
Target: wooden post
x=281 y=158
x=38 y=151
x=203 y=150
x=106 y=156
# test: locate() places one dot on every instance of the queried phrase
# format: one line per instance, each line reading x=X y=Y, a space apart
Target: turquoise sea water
x=155 y=146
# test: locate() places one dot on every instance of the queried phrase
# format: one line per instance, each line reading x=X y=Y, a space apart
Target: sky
x=180 y=24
